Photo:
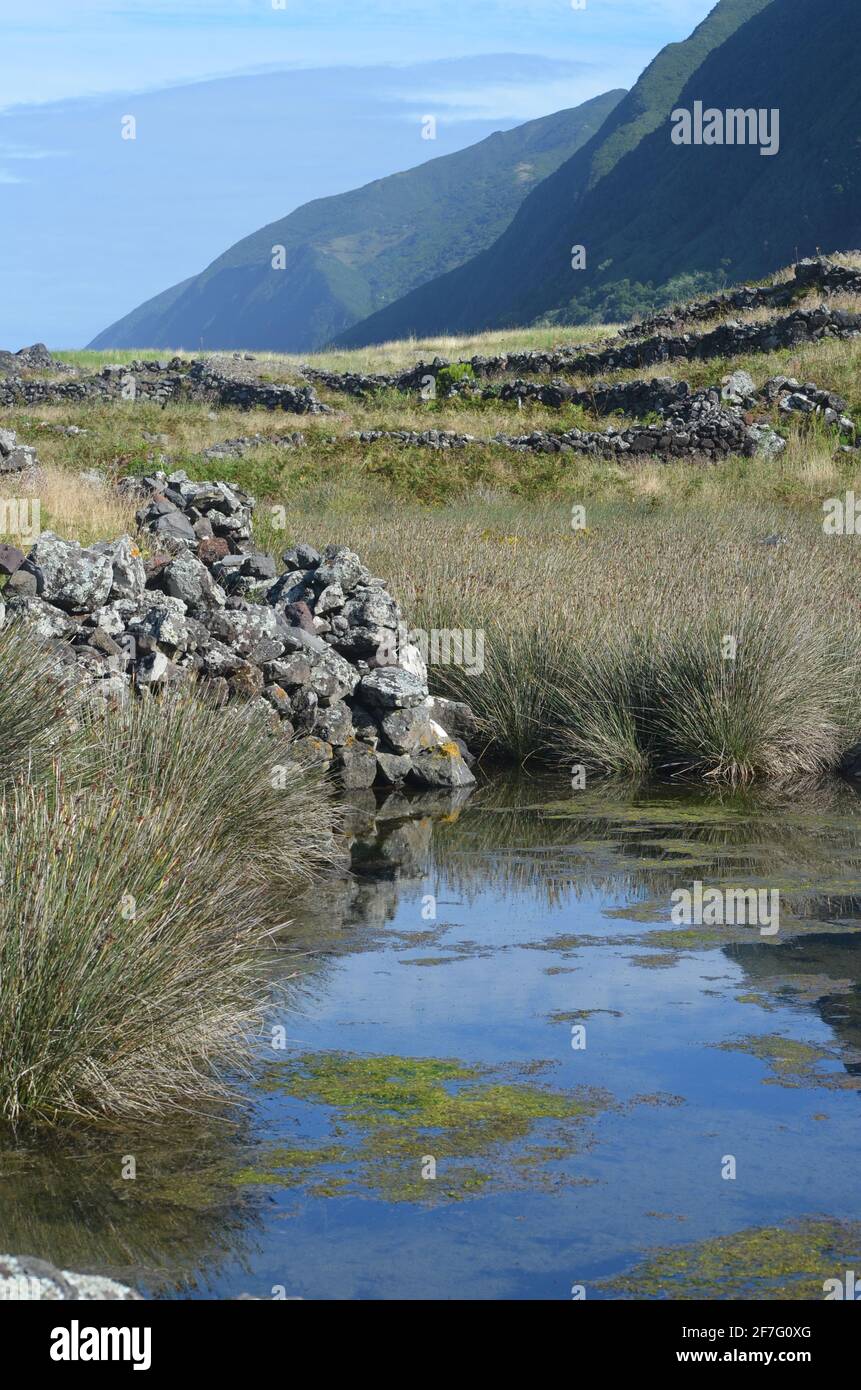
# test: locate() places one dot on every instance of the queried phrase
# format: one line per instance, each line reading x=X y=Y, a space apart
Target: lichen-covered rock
x=313 y=752
x=164 y=623
x=44 y=620
x=321 y=653
x=290 y=671
x=243 y=629
x=766 y=441
x=172 y=525
x=441 y=766
x=355 y=765
x=342 y=566
x=406 y=729
x=246 y=680
x=15 y=457
x=335 y=724
x=391 y=688
x=392 y=768
x=129 y=574
x=68 y=576
x=187 y=578
x=332 y=677
x=459 y=720
x=153 y=669
x=301 y=557
x=24 y=1278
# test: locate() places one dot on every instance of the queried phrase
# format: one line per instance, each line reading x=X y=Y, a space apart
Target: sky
x=244 y=110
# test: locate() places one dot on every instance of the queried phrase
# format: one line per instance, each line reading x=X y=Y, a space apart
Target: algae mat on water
x=773 y=1262
x=416 y=1129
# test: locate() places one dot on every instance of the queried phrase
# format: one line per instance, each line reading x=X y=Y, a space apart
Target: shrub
x=448 y=377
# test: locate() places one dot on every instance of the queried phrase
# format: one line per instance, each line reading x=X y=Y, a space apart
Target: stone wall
x=321 y=649
x=653 y=346
x=699 y=424
x=204 y=381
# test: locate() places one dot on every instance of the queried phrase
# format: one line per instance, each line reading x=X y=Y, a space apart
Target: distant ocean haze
x=95 y=224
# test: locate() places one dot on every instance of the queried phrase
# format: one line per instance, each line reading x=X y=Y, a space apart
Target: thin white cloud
x=68 y=48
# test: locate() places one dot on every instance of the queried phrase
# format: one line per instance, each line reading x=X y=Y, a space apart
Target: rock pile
x=661 y=394
x=237 y=448
x=15 y=457
x=809 y=399
x=728 y=339
x=210 y=380
x=26 y=359
x=24 y=1278
x=321 y=649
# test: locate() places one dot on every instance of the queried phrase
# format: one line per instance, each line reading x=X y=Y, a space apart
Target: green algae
x=760 y=1000
x=431 y=960
x=555 y=943
x=286 y=1167
x=793 y=1063
x=578 y=1015
x=694 y=938
x=764 y=1263
x=482 y=1127
x=660 y=960
x=636 y=912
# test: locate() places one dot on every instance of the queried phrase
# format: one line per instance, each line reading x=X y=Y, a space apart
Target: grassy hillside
x=660 y=221
x=348 y=255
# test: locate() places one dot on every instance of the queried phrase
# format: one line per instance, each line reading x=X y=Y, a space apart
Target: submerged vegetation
x=416 y=1128
x=792 y=1262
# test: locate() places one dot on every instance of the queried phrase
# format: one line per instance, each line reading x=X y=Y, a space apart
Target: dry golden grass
x=400 y=354
x=70 y=506
x=605 y=645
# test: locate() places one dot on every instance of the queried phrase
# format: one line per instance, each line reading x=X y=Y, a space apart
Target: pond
x=498 y=1068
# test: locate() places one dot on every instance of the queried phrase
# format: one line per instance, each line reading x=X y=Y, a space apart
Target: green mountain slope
x=527 y=271
x=348 y=255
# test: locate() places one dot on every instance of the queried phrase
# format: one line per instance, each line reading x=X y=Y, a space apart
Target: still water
x=498 y=1069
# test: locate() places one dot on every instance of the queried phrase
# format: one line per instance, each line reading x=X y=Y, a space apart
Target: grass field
x=631 y=609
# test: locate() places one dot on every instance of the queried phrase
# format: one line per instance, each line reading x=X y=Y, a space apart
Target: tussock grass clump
x=35 y=717
x=677 y=702
x=135 y=898
x=607 y=647
x=225 y=778
x=783 y=708
x=127 y=978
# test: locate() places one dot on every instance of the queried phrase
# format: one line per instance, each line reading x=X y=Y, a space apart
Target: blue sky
x=245 y=111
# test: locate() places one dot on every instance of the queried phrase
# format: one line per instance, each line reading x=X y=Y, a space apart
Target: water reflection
x=447 y=969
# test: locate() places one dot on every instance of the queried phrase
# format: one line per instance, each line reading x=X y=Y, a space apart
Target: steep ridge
x=662 y=219
x=347 y=255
